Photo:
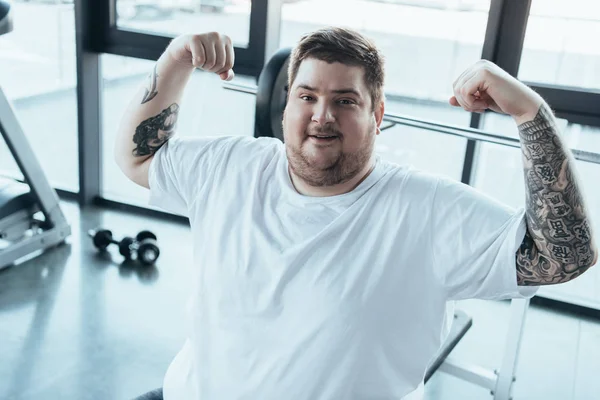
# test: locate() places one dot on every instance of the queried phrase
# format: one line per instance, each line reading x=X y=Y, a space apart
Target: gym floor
x=79 y=325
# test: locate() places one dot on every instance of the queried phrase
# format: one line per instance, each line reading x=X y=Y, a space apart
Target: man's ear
x=379 y=111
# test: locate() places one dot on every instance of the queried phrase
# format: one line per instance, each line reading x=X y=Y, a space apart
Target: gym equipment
x=143 y=248
x=23 y=231
x=271 y=95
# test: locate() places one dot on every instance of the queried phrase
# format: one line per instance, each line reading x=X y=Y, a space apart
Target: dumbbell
x=143 y=248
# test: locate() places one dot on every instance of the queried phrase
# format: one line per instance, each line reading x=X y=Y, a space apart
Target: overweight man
x=322 y=271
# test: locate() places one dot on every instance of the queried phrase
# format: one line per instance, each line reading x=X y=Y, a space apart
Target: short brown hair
x=345 y=46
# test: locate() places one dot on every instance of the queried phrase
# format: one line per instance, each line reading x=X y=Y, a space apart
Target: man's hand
x=484 y=85
x=210 y=52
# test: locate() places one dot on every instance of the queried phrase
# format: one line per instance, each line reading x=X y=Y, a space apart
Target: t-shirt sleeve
x=475 y=239
x=181 y=168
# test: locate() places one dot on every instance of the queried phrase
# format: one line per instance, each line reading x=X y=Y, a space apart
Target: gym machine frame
x=20 y=202
x=54 y=229
x=271 y=100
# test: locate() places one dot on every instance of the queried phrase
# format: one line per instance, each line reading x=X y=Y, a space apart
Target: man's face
x=329 y=125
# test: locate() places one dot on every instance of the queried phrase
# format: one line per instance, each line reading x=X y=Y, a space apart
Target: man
x=321 y=270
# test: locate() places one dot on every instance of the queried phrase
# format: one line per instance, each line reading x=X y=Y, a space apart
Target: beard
x=335 y=169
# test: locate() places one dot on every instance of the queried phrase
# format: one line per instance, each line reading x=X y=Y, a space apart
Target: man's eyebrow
x=336 y=91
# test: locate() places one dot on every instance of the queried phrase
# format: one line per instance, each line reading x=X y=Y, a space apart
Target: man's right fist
x=211 y=52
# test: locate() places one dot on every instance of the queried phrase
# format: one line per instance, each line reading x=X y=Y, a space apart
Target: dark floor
x=75 y=325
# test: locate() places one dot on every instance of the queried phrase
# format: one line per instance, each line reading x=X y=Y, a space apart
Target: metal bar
x=471 y=373
x=506 y=373
x=467 y=133
x=460 y=326
x=479 y=135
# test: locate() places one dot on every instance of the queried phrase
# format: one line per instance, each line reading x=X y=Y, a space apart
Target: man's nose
x=323 y=114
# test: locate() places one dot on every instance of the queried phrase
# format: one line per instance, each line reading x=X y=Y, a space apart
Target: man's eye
x=346 y=102
x=306 y=98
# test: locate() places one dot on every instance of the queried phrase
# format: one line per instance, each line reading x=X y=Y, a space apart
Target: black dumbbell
x=147 y=247
x=143 y=247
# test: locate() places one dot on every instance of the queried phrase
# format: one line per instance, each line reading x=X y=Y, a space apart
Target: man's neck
x=325 y=191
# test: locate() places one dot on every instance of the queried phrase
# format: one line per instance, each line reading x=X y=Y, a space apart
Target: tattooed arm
x=558 y=245
x=150 y=119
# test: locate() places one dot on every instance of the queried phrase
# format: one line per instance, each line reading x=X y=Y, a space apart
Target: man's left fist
x=484 y=85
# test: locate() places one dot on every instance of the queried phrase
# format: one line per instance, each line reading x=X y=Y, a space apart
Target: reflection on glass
x=175 y=17
x=38 y=75
x=427 y=43
x=561 y=43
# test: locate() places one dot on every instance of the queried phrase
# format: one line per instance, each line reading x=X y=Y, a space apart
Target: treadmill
x=31 y=219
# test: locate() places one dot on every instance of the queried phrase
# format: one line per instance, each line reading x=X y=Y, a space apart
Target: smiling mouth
x=323 y=139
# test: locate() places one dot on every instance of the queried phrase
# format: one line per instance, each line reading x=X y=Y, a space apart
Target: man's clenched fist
x=212 y=52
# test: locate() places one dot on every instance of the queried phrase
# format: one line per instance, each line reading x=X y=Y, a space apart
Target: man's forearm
x=559 y=246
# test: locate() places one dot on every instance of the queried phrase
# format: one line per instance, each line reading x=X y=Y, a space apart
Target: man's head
x=335 y=81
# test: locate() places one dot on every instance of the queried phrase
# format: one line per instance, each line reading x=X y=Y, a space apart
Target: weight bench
x=461 y=324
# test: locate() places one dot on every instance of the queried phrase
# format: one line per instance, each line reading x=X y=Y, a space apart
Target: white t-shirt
x=323 y=298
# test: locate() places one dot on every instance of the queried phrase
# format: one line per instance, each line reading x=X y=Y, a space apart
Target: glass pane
x=207 y=109
x=175 y=17
x=38 y=75
x=561 y=43
x=427 y=44
x=406 y=145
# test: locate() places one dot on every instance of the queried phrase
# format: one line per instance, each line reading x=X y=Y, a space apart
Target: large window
x=561 y=43
x=37 y=73
x=427 y=44
x=174 y=17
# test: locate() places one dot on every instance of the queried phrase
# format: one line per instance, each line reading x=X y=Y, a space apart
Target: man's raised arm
x=150 y=119
x=558 y=244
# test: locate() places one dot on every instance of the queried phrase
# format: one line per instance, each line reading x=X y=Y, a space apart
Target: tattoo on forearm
x=152 y=133
x=558 y=245
x=150 y=90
